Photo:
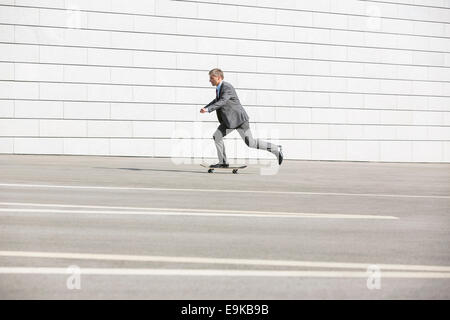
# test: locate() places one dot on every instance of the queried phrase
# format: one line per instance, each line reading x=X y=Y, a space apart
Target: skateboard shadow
x=156 y=170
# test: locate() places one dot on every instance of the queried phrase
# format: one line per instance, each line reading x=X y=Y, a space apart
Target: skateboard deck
x=234 y=169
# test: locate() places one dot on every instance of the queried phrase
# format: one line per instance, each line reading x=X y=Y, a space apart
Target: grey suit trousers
x=246 y=135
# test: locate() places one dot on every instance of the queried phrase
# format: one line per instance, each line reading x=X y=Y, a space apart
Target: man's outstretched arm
x=205 y=108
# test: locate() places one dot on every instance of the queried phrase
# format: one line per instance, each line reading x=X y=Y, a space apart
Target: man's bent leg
x=246 y=135
x=218 y=136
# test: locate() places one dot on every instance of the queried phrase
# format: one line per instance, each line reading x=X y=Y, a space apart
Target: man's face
x=215 y=80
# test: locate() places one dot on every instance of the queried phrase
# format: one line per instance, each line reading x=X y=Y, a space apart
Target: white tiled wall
x=329 y=80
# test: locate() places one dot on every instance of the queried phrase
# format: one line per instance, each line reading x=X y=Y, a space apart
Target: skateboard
x=233 y=168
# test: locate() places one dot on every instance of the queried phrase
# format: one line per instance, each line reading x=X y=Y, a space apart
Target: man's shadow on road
x=156 y=170
x=162 y=170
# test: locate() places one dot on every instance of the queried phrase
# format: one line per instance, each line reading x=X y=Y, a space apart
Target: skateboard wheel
x=210 y=170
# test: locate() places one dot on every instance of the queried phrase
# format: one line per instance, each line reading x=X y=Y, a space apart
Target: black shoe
x=280 y=156
x=219 y=165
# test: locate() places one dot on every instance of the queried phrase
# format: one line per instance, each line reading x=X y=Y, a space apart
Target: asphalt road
x=142 y=228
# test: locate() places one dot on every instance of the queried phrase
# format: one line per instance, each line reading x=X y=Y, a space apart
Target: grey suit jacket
x=228 y=107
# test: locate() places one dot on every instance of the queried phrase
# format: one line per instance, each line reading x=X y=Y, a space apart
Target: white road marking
x=186 y=212
x=221 y=273
x=222 y=261
x=204 y=214
x=17 y=185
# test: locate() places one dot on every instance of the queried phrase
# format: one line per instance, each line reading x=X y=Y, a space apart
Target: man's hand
x=203 y=110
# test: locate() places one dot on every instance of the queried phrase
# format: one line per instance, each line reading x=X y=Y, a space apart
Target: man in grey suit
x=232 y=115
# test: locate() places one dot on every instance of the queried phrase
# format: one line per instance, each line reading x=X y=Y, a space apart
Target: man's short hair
x=216 y=72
